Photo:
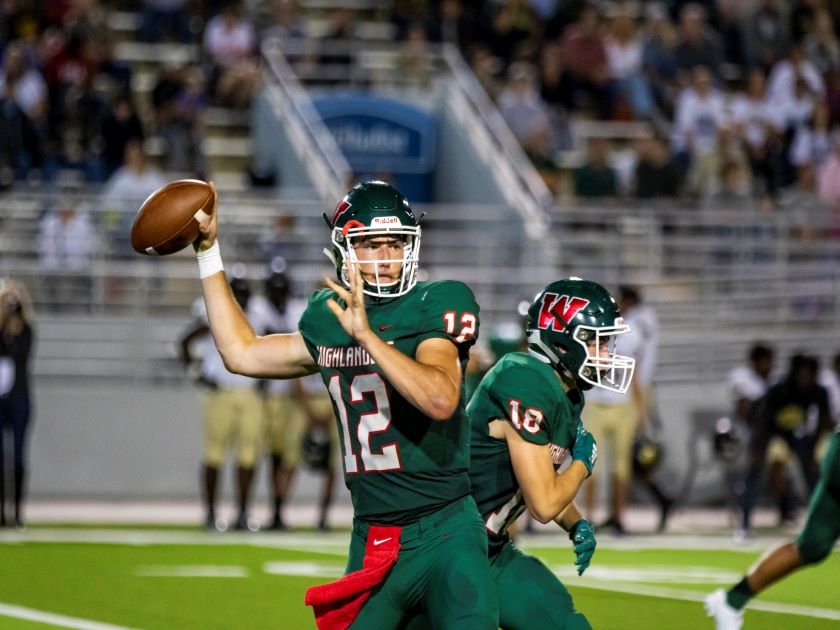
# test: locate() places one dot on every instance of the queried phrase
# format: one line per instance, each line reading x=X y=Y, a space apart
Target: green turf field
x=176 y=578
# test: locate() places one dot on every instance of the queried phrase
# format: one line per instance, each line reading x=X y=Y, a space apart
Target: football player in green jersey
x=391 y=351
x=812 y=546
x=525 y=418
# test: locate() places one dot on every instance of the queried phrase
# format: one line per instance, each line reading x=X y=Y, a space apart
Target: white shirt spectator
x=67 y=241
x=30 y=93
x=756 y=115
x=624 y=60
x=744 y=382
x=127 y=189
x=828 y=379
x=699 y=121
x=228 y=46
x=810 y=146
x=782 y=81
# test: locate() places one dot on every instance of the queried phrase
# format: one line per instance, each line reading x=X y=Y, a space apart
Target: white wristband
x=209 y=261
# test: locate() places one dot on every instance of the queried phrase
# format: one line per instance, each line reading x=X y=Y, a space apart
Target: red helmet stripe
x=340 y=209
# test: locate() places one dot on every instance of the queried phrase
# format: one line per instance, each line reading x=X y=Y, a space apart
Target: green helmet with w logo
x=375 y=208
x=565 y=319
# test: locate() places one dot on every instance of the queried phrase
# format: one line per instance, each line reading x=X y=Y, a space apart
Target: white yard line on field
x=193 y=570
x=694 y=596
x=332 y=544
x=39 y=616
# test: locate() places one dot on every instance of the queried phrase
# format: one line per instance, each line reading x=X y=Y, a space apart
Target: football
x=168 y=220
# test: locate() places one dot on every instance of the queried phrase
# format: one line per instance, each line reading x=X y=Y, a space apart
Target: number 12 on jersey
x=370 y=422
x=467 y=322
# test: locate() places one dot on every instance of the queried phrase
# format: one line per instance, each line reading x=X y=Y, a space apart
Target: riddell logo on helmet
x=559 y=307
x=392 y=220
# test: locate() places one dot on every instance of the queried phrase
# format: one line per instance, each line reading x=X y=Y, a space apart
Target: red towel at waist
x=338 y=603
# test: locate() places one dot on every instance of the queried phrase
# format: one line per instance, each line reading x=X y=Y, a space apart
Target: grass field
x=100 y=578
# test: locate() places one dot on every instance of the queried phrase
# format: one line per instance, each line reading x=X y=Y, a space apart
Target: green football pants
x=530 y=596
x=442 y=571
x=822 y=528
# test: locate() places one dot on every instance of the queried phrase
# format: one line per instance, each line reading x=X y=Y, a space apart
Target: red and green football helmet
x=375 y=208
x=563 y=319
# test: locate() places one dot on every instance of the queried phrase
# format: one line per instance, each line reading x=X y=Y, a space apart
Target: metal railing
x=718 y=279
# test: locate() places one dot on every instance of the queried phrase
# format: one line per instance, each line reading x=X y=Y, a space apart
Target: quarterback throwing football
x=392 y=353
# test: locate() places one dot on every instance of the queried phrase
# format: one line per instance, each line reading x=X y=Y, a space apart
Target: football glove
x=582 y=536
x=584 y=449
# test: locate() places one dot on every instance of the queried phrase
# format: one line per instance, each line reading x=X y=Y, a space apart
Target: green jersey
x=528 y=394
x=399 y=465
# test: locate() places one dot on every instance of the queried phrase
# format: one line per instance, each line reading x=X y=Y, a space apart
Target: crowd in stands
x=742 y=94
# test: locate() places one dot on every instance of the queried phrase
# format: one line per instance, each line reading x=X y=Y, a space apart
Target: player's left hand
x=583 y=538
x=353 y=317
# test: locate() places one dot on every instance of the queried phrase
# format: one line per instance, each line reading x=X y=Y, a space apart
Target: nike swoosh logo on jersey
x=384 y=328
x=379 y=542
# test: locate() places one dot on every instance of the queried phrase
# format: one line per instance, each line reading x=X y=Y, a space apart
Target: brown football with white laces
x=168 y=220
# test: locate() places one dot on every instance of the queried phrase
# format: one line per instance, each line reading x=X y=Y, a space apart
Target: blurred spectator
x=749 y=382
x=19 y=143
x=335 y=57
x=230 y=43
x=287 y=22
x=26 y=85
x=514 y=31
x=812 y=144
x=734 y=190
x=596 y=178
x=120 y=126
x=586 y=58
x=803 y=16
x=731 y=28
x=785 y=74
x=86 y=18
x=77 y=138
x=832 y=97
x=455 y=24
x=414 y=63
x=757 y=127
x=16 y=341
x=67 y=244
x=624 y=58
x=165 y=18
x=486 y=69
x=699 y=45
x=232 y=415
x=180 y=103
x=829 y=377
x=657 y=175
x=406 y=13
x=659 y=57
x=124 y=193
x=521 y=105
x=556 y=84
x=700 y=118
x=795 y=410
x=821 y=46
x=767 y=34
x=828 y=179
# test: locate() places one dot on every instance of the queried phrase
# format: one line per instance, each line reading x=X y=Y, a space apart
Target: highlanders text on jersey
x=528 y=394
x=398 y=464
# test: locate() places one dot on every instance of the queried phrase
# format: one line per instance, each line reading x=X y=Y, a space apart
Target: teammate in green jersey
x=525 y=418
x=814 y=543
x=392 y=353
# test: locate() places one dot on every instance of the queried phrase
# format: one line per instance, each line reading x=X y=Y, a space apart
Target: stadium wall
x=123 y=442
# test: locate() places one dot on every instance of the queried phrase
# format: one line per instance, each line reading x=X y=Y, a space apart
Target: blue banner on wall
x=384 y=139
